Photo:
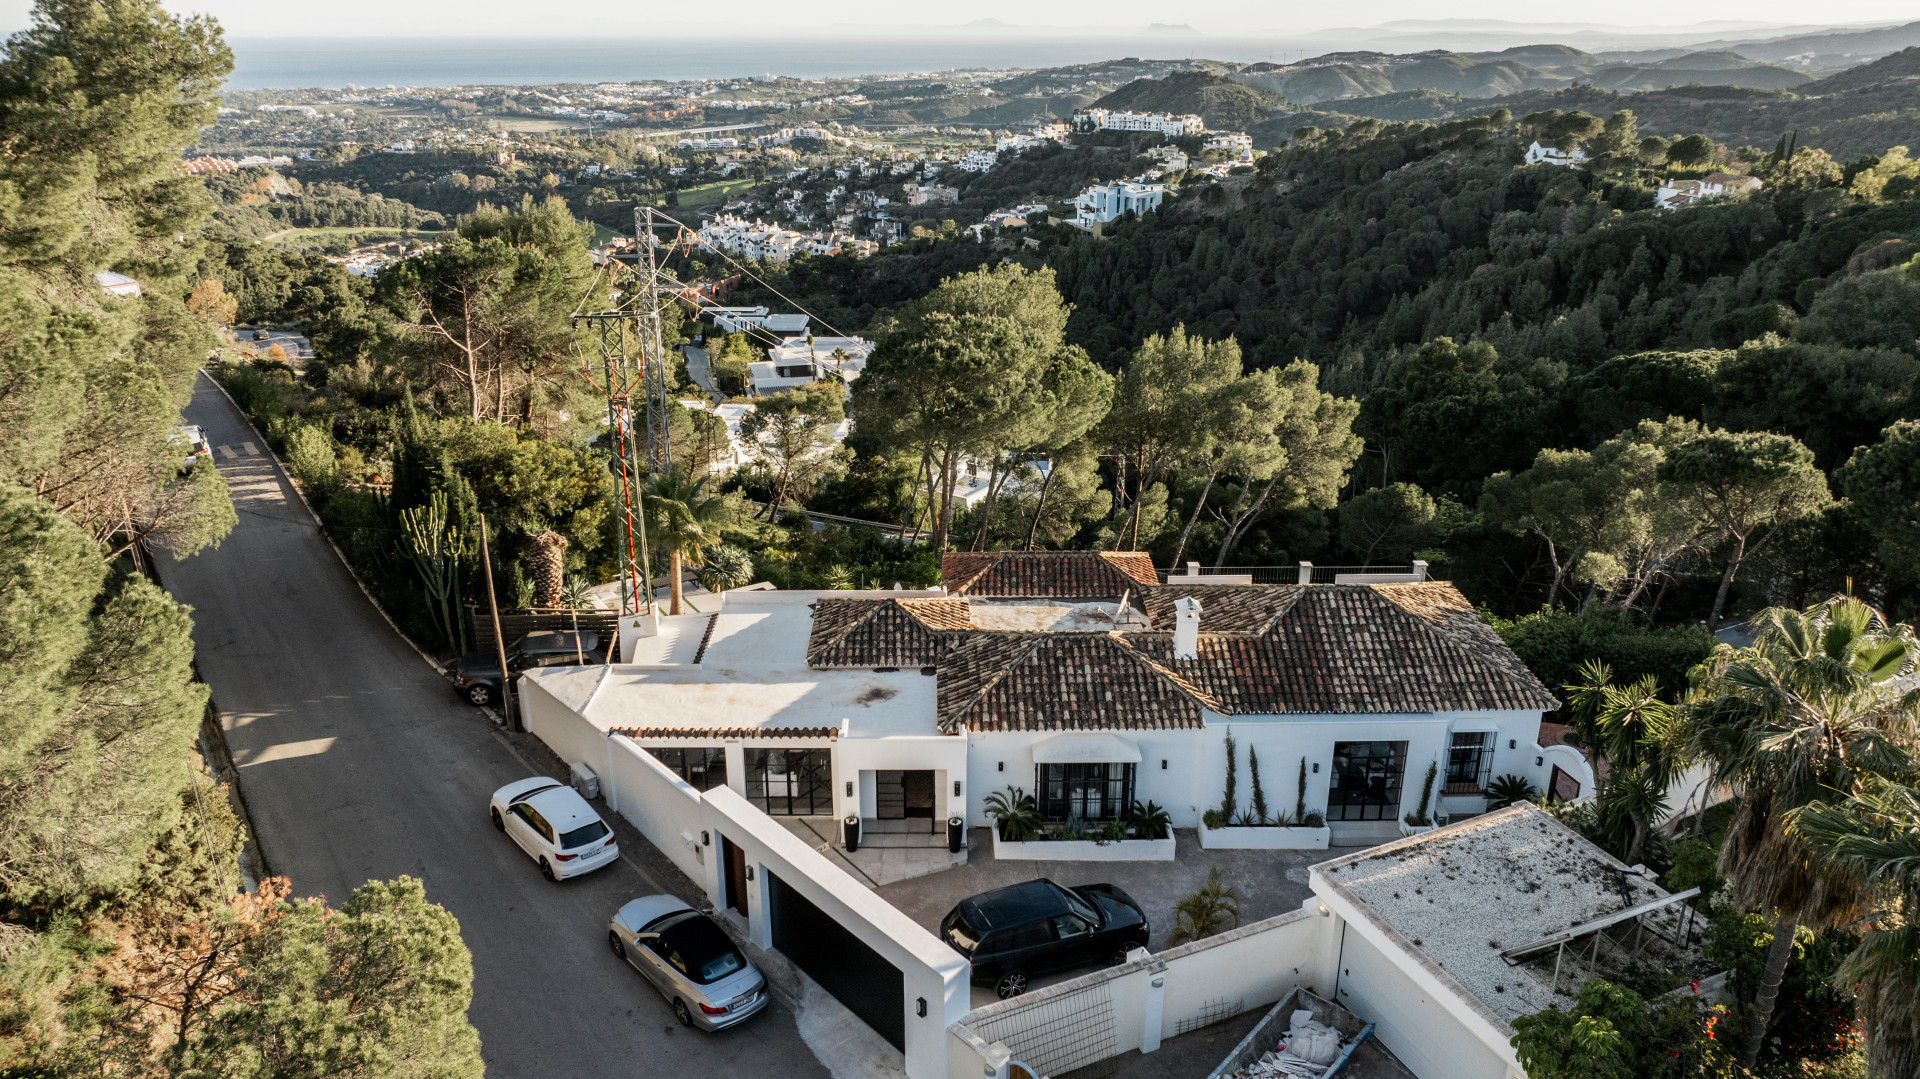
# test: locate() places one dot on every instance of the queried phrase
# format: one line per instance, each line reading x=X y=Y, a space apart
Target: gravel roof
x=1460 y=895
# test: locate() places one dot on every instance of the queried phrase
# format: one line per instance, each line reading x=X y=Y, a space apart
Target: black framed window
x=791 y=782
x=1469 y=762
x=1091 y=792
x=1366 y=779
x=703 y=768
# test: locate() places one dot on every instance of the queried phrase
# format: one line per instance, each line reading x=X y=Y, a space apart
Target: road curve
x=357 y=762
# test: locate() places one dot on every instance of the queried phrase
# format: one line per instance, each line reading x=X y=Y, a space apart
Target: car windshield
x=959 y=934
x=701 y=950
x=1081 y=907
x=582 y=835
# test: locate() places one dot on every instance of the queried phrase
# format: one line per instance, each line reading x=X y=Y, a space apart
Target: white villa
x=1079 y=678
x=1232 y=141
x=805 y=360
x=1673 y=194
x=758 y=240
x=1165 y=123
x=1555 y=153
x=1102 y=203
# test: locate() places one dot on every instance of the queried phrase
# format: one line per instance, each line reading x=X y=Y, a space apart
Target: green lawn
x=717 y=191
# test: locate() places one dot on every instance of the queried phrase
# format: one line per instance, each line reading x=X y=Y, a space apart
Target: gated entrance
x=842 y=963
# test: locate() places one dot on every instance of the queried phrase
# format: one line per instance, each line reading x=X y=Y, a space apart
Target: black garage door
x=842 y=963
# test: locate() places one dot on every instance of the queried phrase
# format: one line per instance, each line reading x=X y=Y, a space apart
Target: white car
x=193 y=440
x=555 y=826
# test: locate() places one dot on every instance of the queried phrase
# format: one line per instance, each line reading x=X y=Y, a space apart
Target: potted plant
x=956 y=835
x=850 y=832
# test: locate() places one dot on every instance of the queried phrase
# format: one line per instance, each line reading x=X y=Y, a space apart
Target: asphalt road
x=357 y=762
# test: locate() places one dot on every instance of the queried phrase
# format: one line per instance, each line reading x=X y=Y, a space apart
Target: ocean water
x=276 y=63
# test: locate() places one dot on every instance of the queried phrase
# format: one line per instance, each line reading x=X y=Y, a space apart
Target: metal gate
x=842 y=963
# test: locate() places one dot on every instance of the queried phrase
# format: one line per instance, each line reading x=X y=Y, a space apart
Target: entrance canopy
x=1086 y=749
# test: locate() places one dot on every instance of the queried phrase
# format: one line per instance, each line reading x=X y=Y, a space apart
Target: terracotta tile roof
x=1224 y=608
x=1082 y=574
x=643 y=733
x=884 y=632
x=1061 y=682
x=1341 y=649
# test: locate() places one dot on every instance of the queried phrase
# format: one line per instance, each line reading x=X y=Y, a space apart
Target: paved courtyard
x=1269 y=882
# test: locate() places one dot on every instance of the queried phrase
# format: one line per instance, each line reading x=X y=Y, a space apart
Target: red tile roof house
x=1080 y=679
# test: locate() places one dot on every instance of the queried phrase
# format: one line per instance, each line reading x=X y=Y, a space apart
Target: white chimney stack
x=1186 y=628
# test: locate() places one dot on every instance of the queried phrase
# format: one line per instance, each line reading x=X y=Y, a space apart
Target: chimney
x=1306 y=573
x=1186 y=628
x=1419 y=570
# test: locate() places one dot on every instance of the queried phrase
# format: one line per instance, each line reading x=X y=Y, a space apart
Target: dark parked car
x=478 y=675
x=1011 y=934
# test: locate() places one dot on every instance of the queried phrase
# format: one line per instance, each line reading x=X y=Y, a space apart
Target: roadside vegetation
x=129 y=942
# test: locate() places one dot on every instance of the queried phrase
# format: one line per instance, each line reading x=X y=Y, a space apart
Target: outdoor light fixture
x=1003 y=766
x=1316 y=767
x=1513 y=743
x=1538 y=761
x=704 y=840
x=849 y=788
x=956 y=788
x=922 y=1006
x=1163 y=764
x=749 y=872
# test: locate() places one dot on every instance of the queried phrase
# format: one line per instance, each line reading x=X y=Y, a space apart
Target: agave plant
x=1014 y=813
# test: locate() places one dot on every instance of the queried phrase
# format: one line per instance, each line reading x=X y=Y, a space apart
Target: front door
x=1366 y=781
x=736 y=863
x=916 y=790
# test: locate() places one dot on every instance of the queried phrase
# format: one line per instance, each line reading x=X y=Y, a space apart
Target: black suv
x=478 y=675
x=1011 y=934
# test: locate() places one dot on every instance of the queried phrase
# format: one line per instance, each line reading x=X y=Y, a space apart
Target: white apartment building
x=977 y=161
x=1231 y=141
x=1102 y=203
x=772 y=243
x=1164 y=123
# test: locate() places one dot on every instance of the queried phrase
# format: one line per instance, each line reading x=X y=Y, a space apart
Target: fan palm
x=1810 y=711
x=1878 y=834
x=683 y=520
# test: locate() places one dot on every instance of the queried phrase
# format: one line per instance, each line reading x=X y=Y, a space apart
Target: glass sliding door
x=703 y=768
x=1366 y=779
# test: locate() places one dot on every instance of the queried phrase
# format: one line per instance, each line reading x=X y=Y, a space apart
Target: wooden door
x=736 y=862
x=917 y=792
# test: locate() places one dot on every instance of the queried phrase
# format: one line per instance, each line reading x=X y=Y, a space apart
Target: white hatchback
x=555 y=826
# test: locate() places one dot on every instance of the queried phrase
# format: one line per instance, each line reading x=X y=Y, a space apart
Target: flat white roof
x=753 y=674
x=1458 y=896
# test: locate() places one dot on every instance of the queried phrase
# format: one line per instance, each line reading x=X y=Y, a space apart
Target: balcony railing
x=1303 y=573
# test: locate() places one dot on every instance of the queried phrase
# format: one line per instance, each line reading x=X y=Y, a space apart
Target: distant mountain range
x=1724 y=94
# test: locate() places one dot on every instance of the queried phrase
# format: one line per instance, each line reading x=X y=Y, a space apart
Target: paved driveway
x=1269 y=882
x=357 y=762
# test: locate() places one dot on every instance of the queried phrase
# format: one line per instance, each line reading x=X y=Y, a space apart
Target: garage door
x=842 y=963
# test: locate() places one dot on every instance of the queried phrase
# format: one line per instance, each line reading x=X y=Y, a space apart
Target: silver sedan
x=690 y=960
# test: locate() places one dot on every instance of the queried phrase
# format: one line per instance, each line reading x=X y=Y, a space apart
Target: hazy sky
x=756 y=17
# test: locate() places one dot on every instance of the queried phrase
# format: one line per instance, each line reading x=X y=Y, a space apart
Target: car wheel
x=498 y=824
x=1011 y=984
x=1120 y=956
x=619 y=948
x=681 y=1012
x=546 y=870
x=479 y=696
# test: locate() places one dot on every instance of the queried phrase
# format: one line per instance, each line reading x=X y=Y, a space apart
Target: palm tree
x=683 y=520
x=1878 y=834
x=1636 y=732
x=1206 y=912
x=1808 y=712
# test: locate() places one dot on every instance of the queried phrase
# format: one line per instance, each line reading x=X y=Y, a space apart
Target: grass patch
x=717 y=191
x=293 y=236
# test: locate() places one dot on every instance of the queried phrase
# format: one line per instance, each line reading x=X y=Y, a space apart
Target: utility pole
x=499 y=643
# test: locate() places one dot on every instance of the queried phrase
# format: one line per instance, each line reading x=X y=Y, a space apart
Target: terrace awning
x=1086 y=749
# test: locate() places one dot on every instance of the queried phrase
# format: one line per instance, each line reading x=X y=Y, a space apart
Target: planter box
x=1416 y=829
x=1083 y=850
x=1264 y=838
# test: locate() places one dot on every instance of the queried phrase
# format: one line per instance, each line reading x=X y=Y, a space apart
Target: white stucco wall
x=1175 y=787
